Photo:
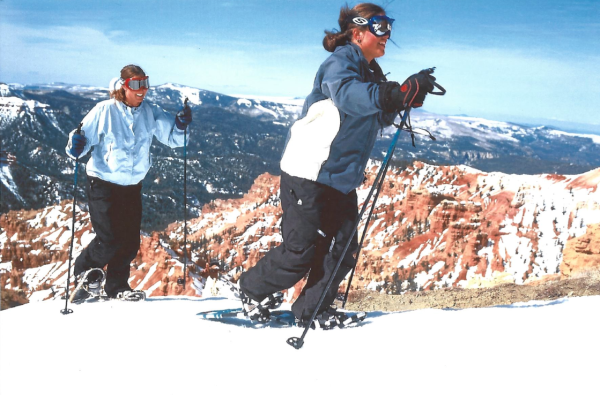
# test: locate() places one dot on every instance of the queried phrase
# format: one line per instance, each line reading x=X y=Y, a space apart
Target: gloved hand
x=183 y=118
x=76 y=144
x=413 y=91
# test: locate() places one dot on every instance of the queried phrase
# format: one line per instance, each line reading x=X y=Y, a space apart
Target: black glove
x=77 y=145
x=411 y=93
x=183 y=118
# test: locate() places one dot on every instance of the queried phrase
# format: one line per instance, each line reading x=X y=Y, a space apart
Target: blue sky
x=534 y=61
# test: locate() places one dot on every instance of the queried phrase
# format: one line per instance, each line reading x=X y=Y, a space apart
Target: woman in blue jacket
x=119 y=132
x=323 y=162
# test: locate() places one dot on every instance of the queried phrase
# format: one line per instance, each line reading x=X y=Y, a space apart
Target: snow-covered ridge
x=594 y=137
x=484 y=129
x=193 y=94
x=12 y=107
x=433 y=227
x=293 y=101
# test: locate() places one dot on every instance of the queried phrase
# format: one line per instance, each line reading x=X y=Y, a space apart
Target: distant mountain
x=496 y=146
x=233 y=140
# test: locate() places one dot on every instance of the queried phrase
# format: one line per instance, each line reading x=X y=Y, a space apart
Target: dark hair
x=129 y=71
x=334 y=39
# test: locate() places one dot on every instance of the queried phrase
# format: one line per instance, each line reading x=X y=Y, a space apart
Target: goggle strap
x=359 y=20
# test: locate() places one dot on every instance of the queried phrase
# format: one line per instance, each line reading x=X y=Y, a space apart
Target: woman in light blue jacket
x=119 y=133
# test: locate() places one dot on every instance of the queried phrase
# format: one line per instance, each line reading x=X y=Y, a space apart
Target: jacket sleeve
x=342 y=82
x=93 y=123
x=166 y=132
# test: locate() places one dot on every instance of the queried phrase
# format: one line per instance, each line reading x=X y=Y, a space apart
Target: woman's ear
x=357 y=36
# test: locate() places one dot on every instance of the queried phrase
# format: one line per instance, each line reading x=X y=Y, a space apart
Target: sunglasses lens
x=381 y=25
x=135 y=85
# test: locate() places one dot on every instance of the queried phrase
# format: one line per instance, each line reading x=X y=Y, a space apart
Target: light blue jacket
x=121 y=137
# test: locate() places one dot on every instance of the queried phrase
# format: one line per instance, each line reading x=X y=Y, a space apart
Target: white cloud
x=79 y=54
x=504 y=81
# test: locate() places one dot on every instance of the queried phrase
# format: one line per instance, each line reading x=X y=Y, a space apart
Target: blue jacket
x=331 y=141
x=121 y=137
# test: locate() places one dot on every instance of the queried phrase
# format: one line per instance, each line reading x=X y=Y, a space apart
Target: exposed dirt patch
x=457 y=298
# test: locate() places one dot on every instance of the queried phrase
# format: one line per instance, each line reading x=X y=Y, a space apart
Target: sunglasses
x=137 y=83
x=379 y=25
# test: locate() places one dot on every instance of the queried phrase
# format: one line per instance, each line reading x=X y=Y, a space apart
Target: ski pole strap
x=429 y=73
x=441 y=91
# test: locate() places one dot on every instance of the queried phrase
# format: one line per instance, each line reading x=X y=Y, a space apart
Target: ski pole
x=181 y=281
x=296 y=342
x=67 y=310
x=362 y=239
x=440 y=92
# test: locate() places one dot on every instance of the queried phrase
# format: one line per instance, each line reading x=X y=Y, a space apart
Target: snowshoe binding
x=129 y=295
x=333 y=318
x=260 y=311
x=88 y=285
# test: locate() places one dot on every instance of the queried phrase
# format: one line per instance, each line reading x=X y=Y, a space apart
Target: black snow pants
x=116 y=215
x=316 y=225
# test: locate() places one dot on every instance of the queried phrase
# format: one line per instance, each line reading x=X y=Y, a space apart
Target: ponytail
x=334 y=38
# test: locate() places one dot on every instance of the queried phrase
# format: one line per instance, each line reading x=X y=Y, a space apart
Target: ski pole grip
x=185 y=105
x=79 y=131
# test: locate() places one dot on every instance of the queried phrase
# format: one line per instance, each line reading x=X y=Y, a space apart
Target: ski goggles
x=379 y=25
x=137 y=83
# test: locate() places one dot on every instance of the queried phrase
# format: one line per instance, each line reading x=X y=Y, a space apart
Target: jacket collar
x=359 y=52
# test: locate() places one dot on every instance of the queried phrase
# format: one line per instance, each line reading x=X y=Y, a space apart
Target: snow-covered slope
x=161 y=347
x=434 y=227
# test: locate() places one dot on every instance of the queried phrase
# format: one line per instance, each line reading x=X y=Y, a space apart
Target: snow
x=244 y=102
x=4 y=90
x=7 y=179
x=193 y=94
x=535 y=347
x=594 y=137
x=293 y=102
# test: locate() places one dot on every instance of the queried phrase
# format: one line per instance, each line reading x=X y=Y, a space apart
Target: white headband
x=115 y=84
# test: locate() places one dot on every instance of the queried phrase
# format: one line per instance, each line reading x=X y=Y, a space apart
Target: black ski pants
x=316 y=225
x=116 y=215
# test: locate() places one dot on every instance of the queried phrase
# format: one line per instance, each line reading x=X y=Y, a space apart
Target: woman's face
x=135 y=98
x=371 y=45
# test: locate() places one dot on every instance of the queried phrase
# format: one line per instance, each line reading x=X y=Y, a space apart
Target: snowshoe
x=277 y=318
x=88 y=285
x=344 y=319
x=333 y=318
x=130 y=295
x=259 y=311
